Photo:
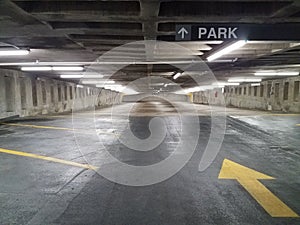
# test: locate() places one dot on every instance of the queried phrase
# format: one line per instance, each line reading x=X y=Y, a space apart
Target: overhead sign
x=184 y=32
x=212 y=32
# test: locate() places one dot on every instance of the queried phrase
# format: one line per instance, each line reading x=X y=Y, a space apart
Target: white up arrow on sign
x=183 y=32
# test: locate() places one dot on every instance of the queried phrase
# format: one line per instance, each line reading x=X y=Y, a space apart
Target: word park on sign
x=224 y=32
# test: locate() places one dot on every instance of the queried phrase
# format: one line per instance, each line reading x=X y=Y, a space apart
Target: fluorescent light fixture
x=14 y=52
x=166 y=85
x=207 y=87
x=193 y=89
x=255 y=84
x=244 y=80
x=112 y=86
x=54 y=68
x=156 y=84
x=116 y=87
x=108 y=85
x=36 y=68
x=104 y=82
x=67 y=68
x=71 y=76
x=92 y=76
x=79 y=86
x=83 y=76
x=129 y=91
x=276 y=73
x=222 y=84
x=227 y=50
x=218 y=84
x=225 y=60
x=177 y=75
x=212 y=42
x=198 y=53
x=232 y=84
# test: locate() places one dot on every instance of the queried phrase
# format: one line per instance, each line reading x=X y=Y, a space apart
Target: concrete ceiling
x=82 y=31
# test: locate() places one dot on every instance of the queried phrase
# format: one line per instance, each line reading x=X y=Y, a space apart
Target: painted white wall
x=272 y=101
x=21 y=83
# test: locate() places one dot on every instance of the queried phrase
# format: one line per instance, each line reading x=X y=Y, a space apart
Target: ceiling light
x=98 y=82
x=276 y=73
x=36 y=68
x=92 y=76
x=54 y=68
x=165 y=85
x=225 y=60
x=255 y=84
x=226 y=50
x=83 y=76
x=67 y=68
x=241 y=80
x=193 y=89
x=220 y=84
x=232 y=84
x=198 y=53
x=207 y=87
x=116 y=87
x=79 y=86
x=156 y=84
x=113 y=86
x=129 y=91
x=177 y=75
x=71 y=76
x=14 y=52
x=212 y=42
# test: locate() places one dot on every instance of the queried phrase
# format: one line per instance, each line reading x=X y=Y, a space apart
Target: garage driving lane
x=189 y=197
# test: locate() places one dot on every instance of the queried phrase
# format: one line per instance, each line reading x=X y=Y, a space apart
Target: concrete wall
x=26 y=95
x=277 y=95
x=169 y=96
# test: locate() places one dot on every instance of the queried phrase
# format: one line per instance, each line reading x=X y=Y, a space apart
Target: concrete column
x=2 y=94
x=17 y=94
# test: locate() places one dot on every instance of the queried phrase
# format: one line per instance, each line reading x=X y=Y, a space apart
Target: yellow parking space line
x=36 y=126
x=298 y=125
x=263 y=114
x=51 y=159
x=81 y=131
x=62 y=116
x=279 y=114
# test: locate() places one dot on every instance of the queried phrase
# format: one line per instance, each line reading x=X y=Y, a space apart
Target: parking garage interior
x=149 y=112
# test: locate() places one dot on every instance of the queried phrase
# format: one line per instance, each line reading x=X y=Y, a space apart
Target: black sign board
x=255 y=32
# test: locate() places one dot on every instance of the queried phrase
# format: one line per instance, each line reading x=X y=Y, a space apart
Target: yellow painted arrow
x=248 y=178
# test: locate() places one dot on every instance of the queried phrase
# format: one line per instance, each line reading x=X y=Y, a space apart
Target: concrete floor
x=37 y=190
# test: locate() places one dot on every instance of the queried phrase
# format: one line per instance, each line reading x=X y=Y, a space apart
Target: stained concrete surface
x=34 y=191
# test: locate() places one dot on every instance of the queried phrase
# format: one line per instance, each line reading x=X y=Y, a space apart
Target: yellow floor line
x=56 y=128
x=278 y=114
x=51 y=159
x=36 y=126
x=298 y=125
x=256 y=115
x=78 y=116
x=65 y=116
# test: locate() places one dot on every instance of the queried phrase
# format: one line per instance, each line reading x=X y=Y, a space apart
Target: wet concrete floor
x=50 y=167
